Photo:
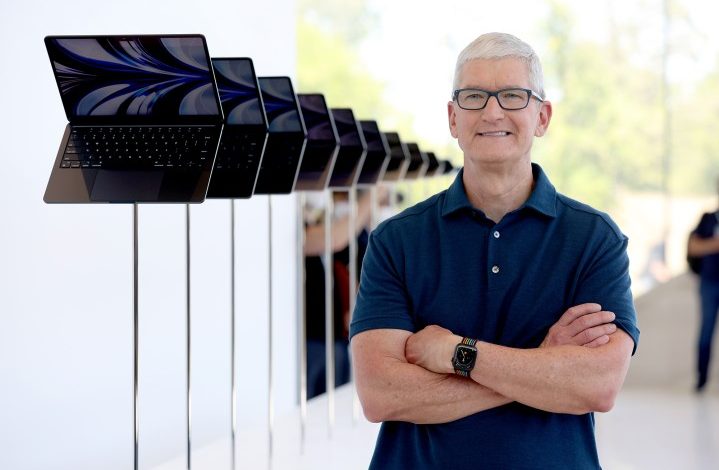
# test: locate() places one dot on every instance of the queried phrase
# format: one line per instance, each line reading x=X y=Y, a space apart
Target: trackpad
x=126 y=186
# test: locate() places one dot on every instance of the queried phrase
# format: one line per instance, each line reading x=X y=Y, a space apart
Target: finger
x=589 y=320
x=590 y=334
x=602 y=340
x=577 y=311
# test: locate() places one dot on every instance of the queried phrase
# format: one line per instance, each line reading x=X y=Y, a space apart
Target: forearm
x=703 y=246
x=400 y=391
x=563 y=379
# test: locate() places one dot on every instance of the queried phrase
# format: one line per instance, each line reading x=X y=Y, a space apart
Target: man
x=495 y=317
x=704 y=243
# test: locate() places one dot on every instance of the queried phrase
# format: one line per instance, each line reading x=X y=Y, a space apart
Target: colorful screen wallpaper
x=141 y=76
x=280 y=104
x=238 y=91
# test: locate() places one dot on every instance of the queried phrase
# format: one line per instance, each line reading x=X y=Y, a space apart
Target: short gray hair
x=498 y=46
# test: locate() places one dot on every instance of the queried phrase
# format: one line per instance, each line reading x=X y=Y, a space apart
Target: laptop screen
x=239 y=91
x=280 y=104
x=134 y=78
x=377 y=153
x=317 y=117
x=347 y=128
x=397 y=159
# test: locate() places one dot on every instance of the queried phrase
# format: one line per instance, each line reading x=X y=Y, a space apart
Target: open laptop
x=418 y=162
x=287 y=139
x=144 y=118
x=322 y=143
x=399 y=158
x=378 y=154
x=245 y=134
x=353 y=149
x=433 y=168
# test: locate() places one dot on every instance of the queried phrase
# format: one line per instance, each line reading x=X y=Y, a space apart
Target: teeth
x=494 y=133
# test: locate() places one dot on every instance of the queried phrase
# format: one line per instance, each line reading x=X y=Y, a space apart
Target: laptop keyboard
x=239 y=151
x=140 y=147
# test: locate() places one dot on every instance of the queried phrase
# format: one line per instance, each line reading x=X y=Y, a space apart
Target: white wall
x=66 y=271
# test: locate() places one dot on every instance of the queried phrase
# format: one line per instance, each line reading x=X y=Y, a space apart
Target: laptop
x=353 y=149
x=418 y=162
x=378 y=154
x=245 y=133
x=399 y=158
x=287 y=139
x=433 y=168
x=322 y=143
x=144 y=119
x=448 y=168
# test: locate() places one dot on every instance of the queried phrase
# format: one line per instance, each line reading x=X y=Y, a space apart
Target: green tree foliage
x=606 y=131
x=695 y=134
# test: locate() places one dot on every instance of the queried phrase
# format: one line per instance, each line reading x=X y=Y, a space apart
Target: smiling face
x=494 y=135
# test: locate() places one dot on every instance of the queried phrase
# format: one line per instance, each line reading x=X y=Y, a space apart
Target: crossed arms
x=579 y=367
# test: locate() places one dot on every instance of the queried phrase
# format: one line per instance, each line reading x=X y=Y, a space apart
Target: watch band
x=468 y=342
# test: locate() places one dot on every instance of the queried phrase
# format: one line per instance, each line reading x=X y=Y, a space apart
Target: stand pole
x=302 y=309
x=188 y=329
x=135 y=303
x=353 y=252
x=270 y=410
x=329 y=316
x=233 y=392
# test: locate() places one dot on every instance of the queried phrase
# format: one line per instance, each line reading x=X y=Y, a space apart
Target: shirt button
x=496 y=234
x=495 y=269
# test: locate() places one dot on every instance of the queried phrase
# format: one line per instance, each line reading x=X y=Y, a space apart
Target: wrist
x=448 y=355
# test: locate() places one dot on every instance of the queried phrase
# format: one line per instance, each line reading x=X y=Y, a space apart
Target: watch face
x=464 y=357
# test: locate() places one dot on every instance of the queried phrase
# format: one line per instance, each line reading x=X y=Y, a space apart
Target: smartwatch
x=465 y=355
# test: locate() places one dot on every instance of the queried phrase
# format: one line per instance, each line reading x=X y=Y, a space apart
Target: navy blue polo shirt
x=444 y=262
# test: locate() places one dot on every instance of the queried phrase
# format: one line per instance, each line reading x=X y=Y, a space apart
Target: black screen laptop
x=144 y=118
x=286 y=142
x=378 y=154
x=418 y=162
x=399 y=158
x=352 y=149
x=448 y=168
x=245 y=134
x=433 y=168
x=322 y=143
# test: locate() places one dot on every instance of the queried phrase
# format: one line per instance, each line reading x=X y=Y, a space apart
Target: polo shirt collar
x=543 y=198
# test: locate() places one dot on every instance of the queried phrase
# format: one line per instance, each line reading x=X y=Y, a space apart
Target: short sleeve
x=606 y=282
x=382 y=300
x=705 y=229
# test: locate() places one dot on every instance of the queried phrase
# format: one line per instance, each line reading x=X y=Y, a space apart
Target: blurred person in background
x=704 y=244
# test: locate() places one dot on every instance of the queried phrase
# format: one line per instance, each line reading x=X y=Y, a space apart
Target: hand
x=432 y=348
x=582 y=325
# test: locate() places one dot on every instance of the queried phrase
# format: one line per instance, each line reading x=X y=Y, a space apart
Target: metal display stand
x=135 y=295
x=302 y=323
x=353 y=252
x=270 y=408
x=188 y=330
x=233 y=376
x=135 y=303
x=329 y=315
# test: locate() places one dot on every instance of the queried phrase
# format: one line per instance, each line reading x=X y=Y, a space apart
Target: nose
x=492 y=111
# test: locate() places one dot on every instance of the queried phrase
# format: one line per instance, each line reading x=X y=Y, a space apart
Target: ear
x=452 y=117
x=545 y=115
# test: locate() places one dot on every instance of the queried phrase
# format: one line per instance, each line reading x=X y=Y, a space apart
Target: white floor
x=660 y=429
x=647 y=429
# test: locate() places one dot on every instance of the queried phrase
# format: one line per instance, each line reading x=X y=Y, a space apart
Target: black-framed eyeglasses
x=511 y=99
